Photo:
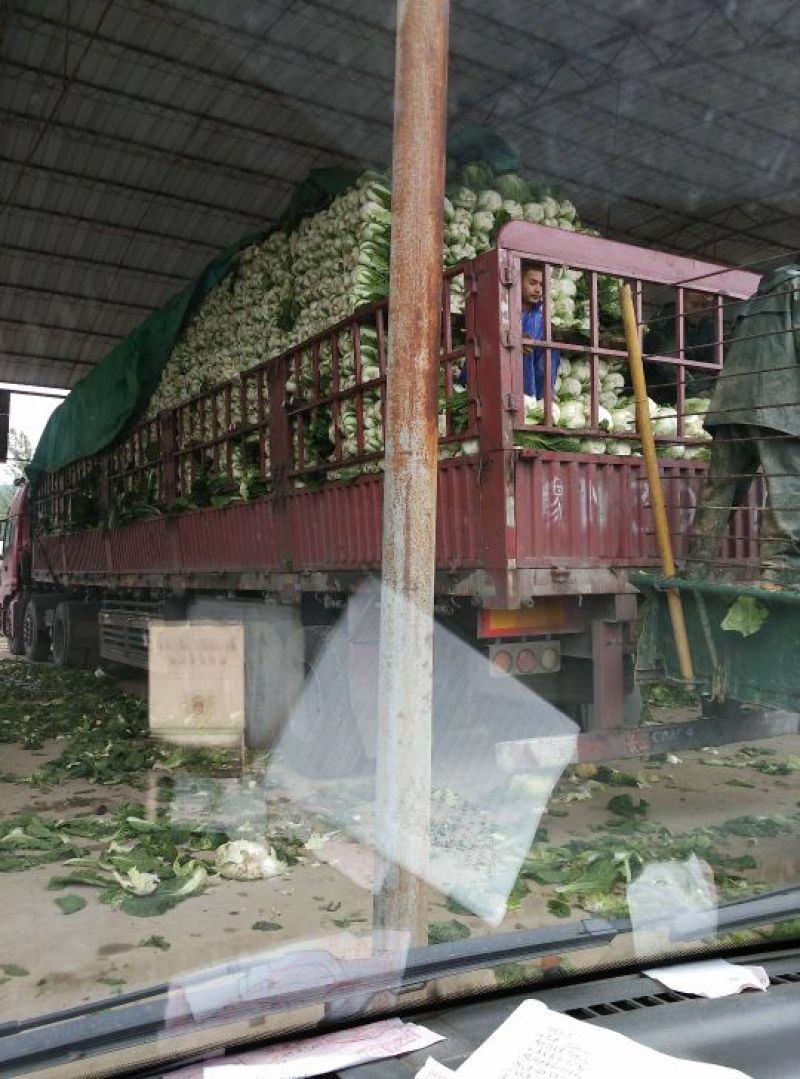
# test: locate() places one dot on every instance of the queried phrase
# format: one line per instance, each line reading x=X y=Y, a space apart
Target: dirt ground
x=52 y=961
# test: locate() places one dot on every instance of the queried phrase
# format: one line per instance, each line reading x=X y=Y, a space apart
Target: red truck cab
x=14 y=568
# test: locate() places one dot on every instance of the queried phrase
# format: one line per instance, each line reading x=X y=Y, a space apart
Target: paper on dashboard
x=320 y=1055
x=710 y=978
x=432 y=1069
x=537 y=1043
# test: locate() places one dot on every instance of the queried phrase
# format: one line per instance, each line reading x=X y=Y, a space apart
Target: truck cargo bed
x=294 y=485
x=570 y=529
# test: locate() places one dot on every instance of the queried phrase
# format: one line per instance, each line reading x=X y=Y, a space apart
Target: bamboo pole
x=654 y=480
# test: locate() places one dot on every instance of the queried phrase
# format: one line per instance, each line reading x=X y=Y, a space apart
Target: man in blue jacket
x=533 y=365
x=532 y=286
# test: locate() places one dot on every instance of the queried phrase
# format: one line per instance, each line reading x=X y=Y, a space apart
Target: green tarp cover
x=472 y=143
x=760 y=383
x=116 y=392
x=316 y=193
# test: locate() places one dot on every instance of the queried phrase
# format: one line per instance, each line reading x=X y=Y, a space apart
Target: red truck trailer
x=534 y=546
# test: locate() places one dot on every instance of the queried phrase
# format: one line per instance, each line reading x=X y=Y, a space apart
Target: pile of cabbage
x=476 y=207
x=289 y=288
x=340 y=256
x=283 y=291
x=242 y=322
x=616 y=416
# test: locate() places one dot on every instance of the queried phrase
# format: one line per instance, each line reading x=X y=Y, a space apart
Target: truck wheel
x=35 y=638
x=320 y=738
x=75 y=635
x=12 y=628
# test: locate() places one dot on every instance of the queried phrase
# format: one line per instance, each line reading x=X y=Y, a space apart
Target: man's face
x=532 y=286
x=697 y=304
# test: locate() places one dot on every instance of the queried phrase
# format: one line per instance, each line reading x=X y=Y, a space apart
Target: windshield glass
x=403 y=602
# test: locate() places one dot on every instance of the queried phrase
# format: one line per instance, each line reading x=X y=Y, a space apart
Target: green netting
x=473 y=143
x=469 y=144
x=316 y=193
x=115 y=393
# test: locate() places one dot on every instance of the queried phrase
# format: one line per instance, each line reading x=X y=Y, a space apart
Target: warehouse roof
x=141 y=136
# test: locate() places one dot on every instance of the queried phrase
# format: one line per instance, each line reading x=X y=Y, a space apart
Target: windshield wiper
x=443 y=960
x=777 y=905
x=346 y=988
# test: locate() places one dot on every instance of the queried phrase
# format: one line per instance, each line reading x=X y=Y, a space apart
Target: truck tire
x=12 y=627
x=321 y=738
x=35 y=638
x=75 y=637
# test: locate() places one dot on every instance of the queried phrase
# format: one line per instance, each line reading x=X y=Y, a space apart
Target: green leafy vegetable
x=615 y=778
x=477 y=176
x=594 y=873
x=136 y=882
x=778 y=768
x=70 y=904
x=745 y=616
x=155 y=942
x=513 y=188
x=447 y=932
x=669 y=695
x=90 y=877
x=527 y=440
x=510 y=974
x=520 y=890
x=624 y=806
x=754 y=827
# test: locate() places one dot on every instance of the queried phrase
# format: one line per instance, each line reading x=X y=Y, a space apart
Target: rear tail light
x=550 y=659
x=526 y=658
x=526 y=661
x=502 y=661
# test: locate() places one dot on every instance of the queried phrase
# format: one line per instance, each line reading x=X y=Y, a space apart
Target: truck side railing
x=659 y=282
x=334 y=391
x=317 y=410
x=315 y=413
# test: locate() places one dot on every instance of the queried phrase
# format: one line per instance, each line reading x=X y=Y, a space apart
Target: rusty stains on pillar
x=409 y=508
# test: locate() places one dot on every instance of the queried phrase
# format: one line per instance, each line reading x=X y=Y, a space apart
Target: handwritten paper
x=432 y=1069
x=536 y=1043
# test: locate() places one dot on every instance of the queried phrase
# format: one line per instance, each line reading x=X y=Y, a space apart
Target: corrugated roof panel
x=84 y=315
x=190 y=120
x=162 y=143
x=52 y=331
x=38 y=373
x=62 y=347
x=81 y=278
x=19 y=140
x=147 y=179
